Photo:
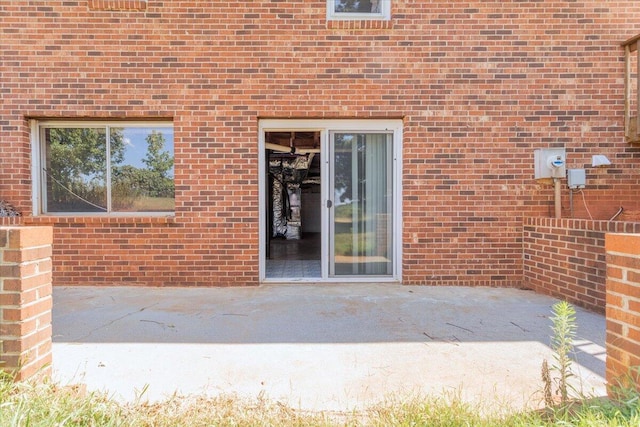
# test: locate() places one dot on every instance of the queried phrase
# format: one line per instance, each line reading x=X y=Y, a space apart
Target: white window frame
x=325 y=126
x=384 y=15
x=38 y=152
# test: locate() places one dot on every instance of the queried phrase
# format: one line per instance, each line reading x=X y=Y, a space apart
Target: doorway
x=293 y=192
x=330 y=200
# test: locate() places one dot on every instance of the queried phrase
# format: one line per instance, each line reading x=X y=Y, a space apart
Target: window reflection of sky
x=135 y=141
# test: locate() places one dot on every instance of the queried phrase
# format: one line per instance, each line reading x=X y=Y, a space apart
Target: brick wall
x=152 y=252
x=623 y=310
x=566 y=258
x=25 y=300
x=479 y=84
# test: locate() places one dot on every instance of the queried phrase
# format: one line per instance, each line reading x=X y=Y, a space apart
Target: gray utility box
x=576 y=178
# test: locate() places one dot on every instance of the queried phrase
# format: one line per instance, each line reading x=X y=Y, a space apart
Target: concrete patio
x=315 y=347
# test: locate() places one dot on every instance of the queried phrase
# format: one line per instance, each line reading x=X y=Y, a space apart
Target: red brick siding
x=479 y=85
x=153 y=251
x=623 y=310
x=25 y=300
x=566 y=258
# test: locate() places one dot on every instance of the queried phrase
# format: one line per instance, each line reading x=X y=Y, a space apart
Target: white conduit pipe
x=558 y=197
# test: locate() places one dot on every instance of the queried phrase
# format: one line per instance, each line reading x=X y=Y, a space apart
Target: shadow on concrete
x=348 y=313
x=420 y=326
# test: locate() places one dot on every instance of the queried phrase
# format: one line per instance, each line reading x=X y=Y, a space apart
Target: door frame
x=324 y=126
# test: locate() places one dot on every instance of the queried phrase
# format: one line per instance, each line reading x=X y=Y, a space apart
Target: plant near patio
x=564 y=329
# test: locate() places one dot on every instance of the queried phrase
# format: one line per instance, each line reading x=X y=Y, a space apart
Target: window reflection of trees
x=76 y=167
x=76 y=171
x=344 y=165
x=357 y=6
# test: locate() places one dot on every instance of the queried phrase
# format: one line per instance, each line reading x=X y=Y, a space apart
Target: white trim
x=384 y=15
x=329 y=222
x=323 y=126
x=397 y=201
x=262 y=206
x=325 y=169
x=136 y=215
x=342 y=279
x=36 y=155
x=274 y=125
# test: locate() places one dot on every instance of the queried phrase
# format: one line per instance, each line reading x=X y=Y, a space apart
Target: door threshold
x=333 y=281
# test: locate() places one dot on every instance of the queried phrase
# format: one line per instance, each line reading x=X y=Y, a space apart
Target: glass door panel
x=361 y=214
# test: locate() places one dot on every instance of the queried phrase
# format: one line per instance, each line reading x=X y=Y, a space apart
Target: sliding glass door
x=361 y=204
x=350 y=200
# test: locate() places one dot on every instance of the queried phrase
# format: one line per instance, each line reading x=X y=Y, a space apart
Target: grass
x=149 y=204
x=365 y=242
x=46 y=404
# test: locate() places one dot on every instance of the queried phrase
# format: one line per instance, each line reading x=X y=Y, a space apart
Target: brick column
x=25 y=300
x=623 y=310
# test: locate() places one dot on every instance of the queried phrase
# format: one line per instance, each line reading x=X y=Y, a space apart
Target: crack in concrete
x=112 y=322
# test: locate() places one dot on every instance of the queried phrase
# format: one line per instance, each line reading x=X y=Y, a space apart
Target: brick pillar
x=25 y=300
x=623 y=310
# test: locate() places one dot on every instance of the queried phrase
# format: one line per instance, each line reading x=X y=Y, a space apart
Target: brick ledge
x=118 y=5
x=364 y=24
x=584 y=224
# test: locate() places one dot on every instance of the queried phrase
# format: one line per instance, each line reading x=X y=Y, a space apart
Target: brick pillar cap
x=622 y=242
x=28 y=236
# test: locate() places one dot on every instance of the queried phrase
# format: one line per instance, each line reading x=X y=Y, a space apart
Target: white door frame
x=324 y=126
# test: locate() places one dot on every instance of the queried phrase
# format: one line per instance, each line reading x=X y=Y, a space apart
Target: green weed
x=47 y=404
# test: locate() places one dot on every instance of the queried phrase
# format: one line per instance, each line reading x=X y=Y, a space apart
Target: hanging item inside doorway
x=287 y=172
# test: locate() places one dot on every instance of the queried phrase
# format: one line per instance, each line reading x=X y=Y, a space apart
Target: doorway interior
x=294 y=220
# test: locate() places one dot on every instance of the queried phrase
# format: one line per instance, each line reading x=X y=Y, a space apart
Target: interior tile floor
x=295 y=258
x=291 y=269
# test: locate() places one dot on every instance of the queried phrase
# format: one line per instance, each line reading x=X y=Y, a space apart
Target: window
x=105 y=168
x=359 y=9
